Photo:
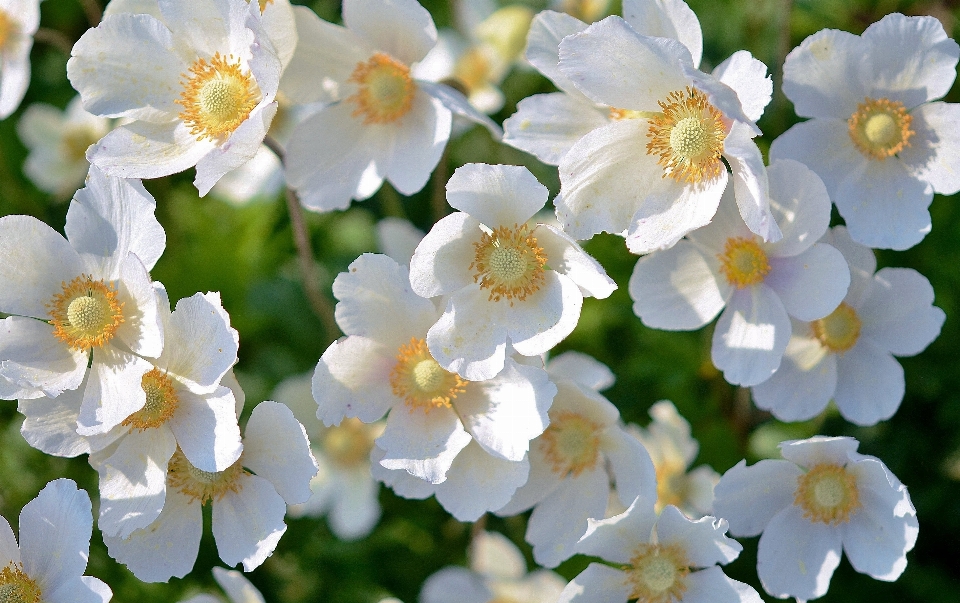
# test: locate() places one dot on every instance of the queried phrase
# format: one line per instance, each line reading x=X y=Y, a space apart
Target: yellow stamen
x=473 y=69
x=349 y=444
x=620 y=114
x=688 y=137
x=827 y=494
x=880 y=128
x=162 y=402
x=509 y=263
x=571 y=443
x=204 y=486
x=386 y=89
x=672 y=483
x=743 y=262
x=8 y=27
x=420 y=381
x=838 y=331
x=75 y=142
x=217 y=97
x=86 y=313
x=657 y=573
x=16 y=586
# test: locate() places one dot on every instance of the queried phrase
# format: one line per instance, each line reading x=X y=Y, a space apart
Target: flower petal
x=206 y=429
x=541 y=482
x=581 y=369
x=241 y=147
x=275 y=447
x=597 y=584
x=870 y=384
x=897 y=312
x=114 y=390
x=548 y=125
x=819 y=449
x=470 y=338
x=55 y=530
x=822 y=75
x=537 y=324
x=424 y=443
x=547 y=30
x=711 y=585
x=496 y=195
x=616 y=538
x=823 y=145
x=142 y=328
x=751 y=336
x=749 y=497
x=933 y=152
x=667 y=19
x=454 y=101
x=236 y=587
x=803 y=384
x=144 y=149
x=468 y=586
x=33 y=359
x=402 y=28
x=800 y=204
x=747 y=76
x=704 y=540
x=248 y=524
x=810 y=285
x=750 y=182
x=796 y=557
x=633 y=471
x=441 y=262
x=565 y=256
x=200 y=344
x=478 y=482
x=352 y=380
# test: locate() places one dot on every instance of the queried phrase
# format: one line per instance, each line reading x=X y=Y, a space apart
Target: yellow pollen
x=8 y=27
x=162 y=402
x=571 y=443
x=672 y=483
x=657 y=573
x=204 y=486
x=473 y=69
x=743 y=262
x=688 y=137
x=76 y=141
x=827 y=494
x=217 y=97
x=509 y=263
x=16 y=586
x=880 y=128
x=619 y=114
x=386 y=89
x=85 y=314
x=349 y=444
x=839 y=330
x=420 y=381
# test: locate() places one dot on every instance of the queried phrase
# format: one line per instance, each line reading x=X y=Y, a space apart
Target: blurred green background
x=247 y=253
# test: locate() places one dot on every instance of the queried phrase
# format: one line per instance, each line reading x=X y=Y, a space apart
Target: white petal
x=548 y=125
x=494 y=555
x=567 y=257
x=582 y=369
x=748 y=78
x=823 y=145
x=597 y=584
x=505 y=413
x=704 y=540
x=402 y=483
x=80 y=589
x=870 y=384
x=240 y=147
x=541 y=482
x=237 y=588
x=455 y=582
x=9 y=549
x=861 y=260
x=148 y=150
x=352 y=380
x=819 y=449
x=538 y=323
x=441 y=262
x=822 y=75
x=478 y=482
x=356 y=510
x=16 y=74
x=496 y=195
x=142 y=329
x=560 y=520
x=750 y=182
x=111 y=217
x=133 y=481
x=247 y=525
x=168 y=547
x=678 y=288
x=398 y=238
x=33 y=359
x=418 y=144
x=547 y=30
x=810 y=285
x=200 y=345
x=933 y=154
x=632 y=469
x=796 y=557
x=114 y=390
x=469 y=338
x=207 y=24
x=711 y=585
x=800 y=204
x=667 y=19
x=279 y=23
x=749 y=497
x=422 y=443
x=897 y=312
x=50 y=424
x=206 y=429
x=616 y=538
x=455 y=102
x=803 y=384
x=275 y=447
x=402 y=28
x=751 y=336
x=55 y=530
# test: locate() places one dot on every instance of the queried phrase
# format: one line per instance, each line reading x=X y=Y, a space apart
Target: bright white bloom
x=249 y=501
x=398 y=238
x=507 y=281
x=848 y=355
x=343 y=489
x=498 y=573
x=19 y=20
x=583 y=451
x=234 y=584
x=49 y=563
x=880 y=143
x=84 y=299
x=658 y=558
x=383 y=365
x=667 y=438
x=199 y=82
x=761 y=285
x=58 y=142
x=824 y=498
x=382 y=122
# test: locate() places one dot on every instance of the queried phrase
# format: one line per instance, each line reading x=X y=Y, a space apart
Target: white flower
x=384 y=365
x=199 y=83
x=55 y=532
x=672 y=449
x=58 y=142
x=343 y=489
x=848 y=355
x=658 y=558
x=249 y=501
x=761 y=284
x=498 y=572
x=87 y=295
x=19 y=20
x=506 y=281
x=877 y=138
x=233 y=583
x=824 y=498
x=382 y=123
x=583 y=451
x=398 y=238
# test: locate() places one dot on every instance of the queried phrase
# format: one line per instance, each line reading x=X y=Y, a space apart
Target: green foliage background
x=247 y=254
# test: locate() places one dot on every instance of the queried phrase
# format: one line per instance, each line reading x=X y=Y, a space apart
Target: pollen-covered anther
x=509 y=262
x=687 y=136
x=657 y=573
x=205 y=486
x=348 y=444
x=839 y=330
x=162 y=401
x=743 y=262
x=880 y=128
x=827 y=494
x=420 y=381
x=8 y=28
x=16 y=586
x=385 y=91
x=86 y=313
x=571 y=443
x=217 y=97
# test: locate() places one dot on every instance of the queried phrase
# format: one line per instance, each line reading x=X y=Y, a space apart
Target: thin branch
x=93 y=12
x=54 y=38
x=438 y=193
x=311 y=283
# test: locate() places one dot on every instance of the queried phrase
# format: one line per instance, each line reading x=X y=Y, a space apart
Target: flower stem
x=93 y=12
x=54 y=38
